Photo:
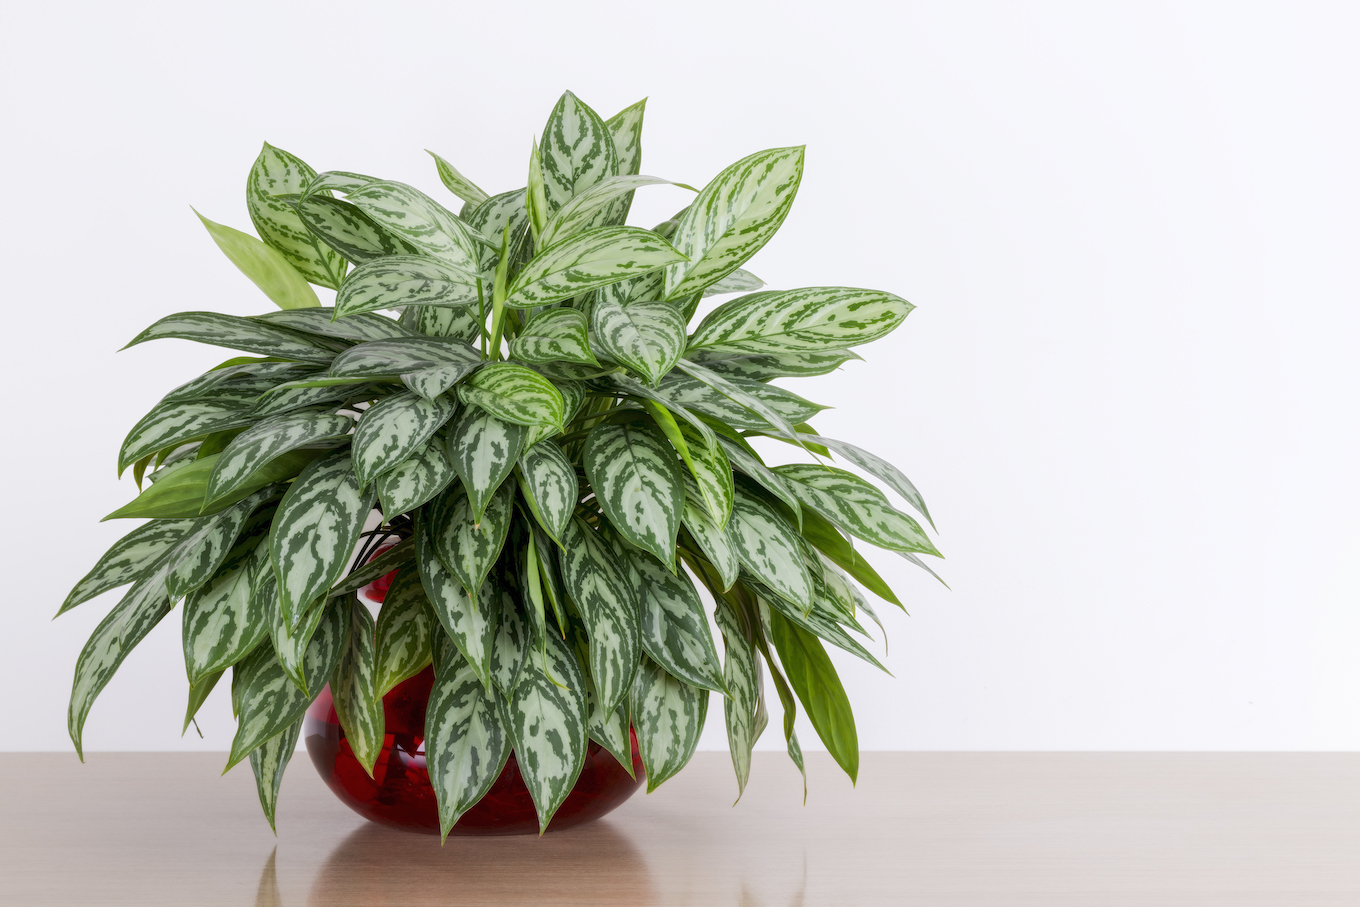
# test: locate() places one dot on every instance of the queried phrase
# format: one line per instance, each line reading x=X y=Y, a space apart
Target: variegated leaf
x=395 y=281
x=171 y=424
x=674 y=630
x=290 y=643
x=404 y=625
x=618 y=382
x=427 y=365
x=637 y=481
x=734 y=408
x=814 y=319
x=268 y=700
x=587 y=260
x=549 y=484
x=235 y=332
x=768 y=547
x=554 y=335
x=315 y=531
x=468 y=545
x=465 y=745
x=417 y=479
x=224 y=619
x=880 y=469
x=855 y=506
x=712 y=474
x=610 y=728
x=733 y=217
x=817 y=622
x=274 y=173
x=550 y=574
x=354 y=688
x=246 y=379
x=599 y=586
x=469 y=621
x=443 y=321
x=130 y=559
x=267 y=439
x=266 y=267
x=483 y=449
x=268 y=761
x=339 y=181
x=510 y=652
x=668 y=715
x=626 y=128
x=348 y=230
x=741 y=674
x=648 y=337
x=117 y=634
x=593 y=207
x=322 y=322
x=206 y=546
x=578 y=151
x=738 y=281
x=744 y=460
x=763 y=367
x=421 y=222
x=513 y=393
x=394 y=558
x=713 y=542
x=455 y=182
x=548 y=727
x=491 y=217
x=286 y=399
x=394 y=428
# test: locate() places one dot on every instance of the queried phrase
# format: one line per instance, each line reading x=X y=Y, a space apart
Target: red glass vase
x=399 y=793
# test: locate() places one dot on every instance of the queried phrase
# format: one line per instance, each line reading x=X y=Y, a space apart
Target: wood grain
x=922 y=828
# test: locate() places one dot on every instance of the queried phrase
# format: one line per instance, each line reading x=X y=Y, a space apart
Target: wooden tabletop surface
x=921 y=829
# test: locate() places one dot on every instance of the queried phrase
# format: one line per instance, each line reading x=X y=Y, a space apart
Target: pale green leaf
x=394 y=281
x=264 y=441
x=674 y=630
x=456 y=183
x=813 y=319
x=465 y=745
x=578 y=151
x=267 y=762
x=587 y=260
x=549 y=484
x=554 y=335
x=465 y=543
x=668 y=715
x=483 y=449
x=469 y=621
x=405 y=622
x=266 y=267
x=647 y=337
x=240 y=333
x=594 y=207
x=768 y=546
x=880 y=469
x=354 y=688
x=855 y=506
x=741 y=675
x=417 y=479
x=347 y=229
x=322 y=321
x=130 y=559
x=513 y=393
x=278 y=173
x=638 y=483
x=224 y=620
x=394 y=428
x=738 y=281
x=763 y=367
x=599 y=587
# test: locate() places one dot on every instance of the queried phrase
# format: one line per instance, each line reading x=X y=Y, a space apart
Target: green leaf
x=131 y=558
x=712 y=473
x=668 y=715
x=626 y=128
x=354 y=688
x=738 y=281
x=855 y=506
x=741 y=675
x=549 y=484
x=180 y=494
x=117 y=634
x=483 y=449
x=267 y=762
x=733 y=217
x=578 y=151
x=224 y=620
x=285 y=398
x=607 y=727
x=239 y=333
x=427 y=365
x=470 y=621
x=455 y=182
x=618 y=382
x=756 y=367
x=712 y=541
x=266 y=267
x=399 y=555
x=315 y=531
x=598 y=586
x=741 y=403
x=880 y=469
x=266 y=440
x=820 y=621
x=814 y=679
x=405 y=622
x=276 y=173
x=465 y=745
x=587 y=260
x=594 y=207
x=513 y=393
x=638 y=484
x=321 y=321
x=744 y=460
x=198 y=694
x=812 y=319
x=348 y=230
x=417 y=479
x=535 y=196
x=171 y=424
x=554 y=335
x=394 y=281
x=547 y=723
x=648 y=337
x=674 y=630
x=394 y=428
x=768 y=546
x=468 y=545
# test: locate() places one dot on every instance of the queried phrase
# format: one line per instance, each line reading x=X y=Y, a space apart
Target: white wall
x=1128 y=391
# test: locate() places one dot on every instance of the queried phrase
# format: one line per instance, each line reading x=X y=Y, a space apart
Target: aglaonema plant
x=553 y=459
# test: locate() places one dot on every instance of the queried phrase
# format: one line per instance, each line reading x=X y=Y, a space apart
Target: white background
x=1128 y=392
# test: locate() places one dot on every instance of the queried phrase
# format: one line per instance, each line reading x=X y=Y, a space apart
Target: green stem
x=498 y=295
x=481 y=318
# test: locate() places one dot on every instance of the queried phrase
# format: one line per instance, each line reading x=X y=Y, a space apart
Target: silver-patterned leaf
x=267 y=439
x=286 y=399
x=744 y=460
x=483 y=449
x=855 y=506
x=734 y=408
x=554 y=335
x=764 y=367
x=348 y=230
x=465 y=744
x=668 y=715
x=394 y=428
x=354 y=688
x=395 y=281
x=238 y=382
x=535 y=196
x=404 y=626
x=207 y=545
x=815 y=319
x=130 y=558
x=673 y=626
x=712 y=475
x=443 y=321
x=587 y=260
x=267 y=762
x=173 y=423
x=427 y=365
x=290 y=643
x=417 y=479
x=577 y=149
x=510 y=652
x=224 y=619
x=117 y=634
x=469 y=621
x=235 y=332
x=599 y=586
x=713 y=542
x=468 y=545
x=820 y=624
x=315 y=531
x=733 y=217
x=266 y=267
x=513 y=393
x=648 y=337
x=593 y=207
x=638 y=483
x=741 y=673
x=491 y=217
x=626 y=128
x=617 y=382
x=549 y=484
x=274 y=173
x=880 y=469
x=421 y=222
x=768 y=546
x=548 y=726
x=455 y=182
x=738 y=281
x=322 y=321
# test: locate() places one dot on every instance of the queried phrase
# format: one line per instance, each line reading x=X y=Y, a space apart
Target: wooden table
x=922 y=829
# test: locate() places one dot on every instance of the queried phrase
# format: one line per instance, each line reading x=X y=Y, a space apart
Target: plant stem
x=498 y=295
x=481 y=318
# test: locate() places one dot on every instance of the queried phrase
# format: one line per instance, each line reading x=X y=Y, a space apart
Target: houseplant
x=550 y=458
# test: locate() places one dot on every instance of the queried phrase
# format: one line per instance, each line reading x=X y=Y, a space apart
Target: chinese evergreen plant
x=551 y=458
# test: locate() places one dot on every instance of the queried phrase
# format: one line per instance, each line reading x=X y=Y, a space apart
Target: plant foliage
x=557 y=460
